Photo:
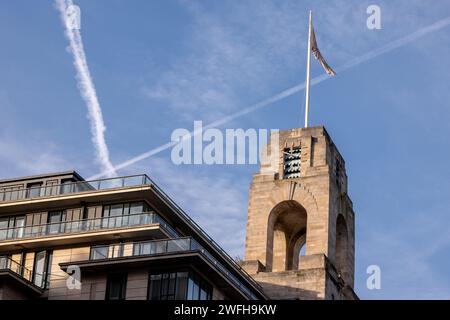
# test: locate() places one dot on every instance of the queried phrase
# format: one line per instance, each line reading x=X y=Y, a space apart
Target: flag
x=318 y=55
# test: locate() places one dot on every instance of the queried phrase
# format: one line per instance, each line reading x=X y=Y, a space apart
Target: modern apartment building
x=123 y=238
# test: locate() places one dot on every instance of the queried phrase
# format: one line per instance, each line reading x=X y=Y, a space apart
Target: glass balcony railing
x=162 y=247
x=86 y=225
x=72 y=187
x=210 y=240
x=7 y=264
x=97 y=185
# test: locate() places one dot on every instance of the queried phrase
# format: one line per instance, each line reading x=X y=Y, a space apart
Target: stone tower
x=300 y=241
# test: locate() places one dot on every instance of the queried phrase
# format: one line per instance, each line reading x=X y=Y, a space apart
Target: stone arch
x=286 y=234
x=298 y=246
x=341 y=247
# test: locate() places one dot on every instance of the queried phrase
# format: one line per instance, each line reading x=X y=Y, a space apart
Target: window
x=12 y=227
x=18 y=226
x=42 y=268
x=292 y=162
x=181 y=285
x=4 y=262
x=116 y=286
x=118 y=215
x=66 y=186
x=34 y=189
x=55 y=222
x=100 y=252
x=198 y=289
x=4 y=223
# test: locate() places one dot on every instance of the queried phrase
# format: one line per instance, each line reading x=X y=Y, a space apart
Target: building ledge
x=171 y=253
x=135 y=232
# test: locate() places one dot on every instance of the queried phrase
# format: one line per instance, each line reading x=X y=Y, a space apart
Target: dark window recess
x=67 y=186
x=292 y=162
x=181 y=285
x=55 y=222
x=34 y=189
x=116 y=286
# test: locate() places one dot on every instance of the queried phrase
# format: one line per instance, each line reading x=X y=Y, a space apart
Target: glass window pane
x=67 y=186
x=39 y=268
x=203 y=293
x=3 y=228
x=116 y=210
x=99 y=252
x=155 y=287
x=190 y=291
x=54 y=220
x=182 y=280
x=171 y=286
x=159 y=247
x=19 y=227
x=136 y=207
x=126 y=208
x=164 y=286
x=148 y=248
x=196 y=289
x=136 y=249
x=34 y=190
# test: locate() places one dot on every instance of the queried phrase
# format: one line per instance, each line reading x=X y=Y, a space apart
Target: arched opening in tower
x=286 y=236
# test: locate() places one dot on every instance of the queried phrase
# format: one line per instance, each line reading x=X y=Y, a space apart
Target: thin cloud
x=295 y=89
x=87 y=91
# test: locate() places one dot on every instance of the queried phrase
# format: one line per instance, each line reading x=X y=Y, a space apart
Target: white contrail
x=87 y=90
x=288 y=92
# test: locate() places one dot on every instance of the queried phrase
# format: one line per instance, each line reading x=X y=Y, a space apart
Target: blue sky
x=160 y=65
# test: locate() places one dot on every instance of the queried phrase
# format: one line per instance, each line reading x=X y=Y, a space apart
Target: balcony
x=11 y=271
x=133 y=225
x=72 y=188
x=147 y=252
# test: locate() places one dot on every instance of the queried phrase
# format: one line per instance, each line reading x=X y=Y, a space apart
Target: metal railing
x=86 y=225
x=10 y=194
x=7 y=264
x=210 y=240
x=112 y=183
x=162 y=247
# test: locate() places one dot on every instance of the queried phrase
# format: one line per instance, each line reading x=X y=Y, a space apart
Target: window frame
x=32 y=186
x=192 y=277
x=46 y=268
x=123 y=279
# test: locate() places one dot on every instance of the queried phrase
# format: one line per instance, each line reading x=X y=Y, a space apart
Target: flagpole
x=308 y=69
